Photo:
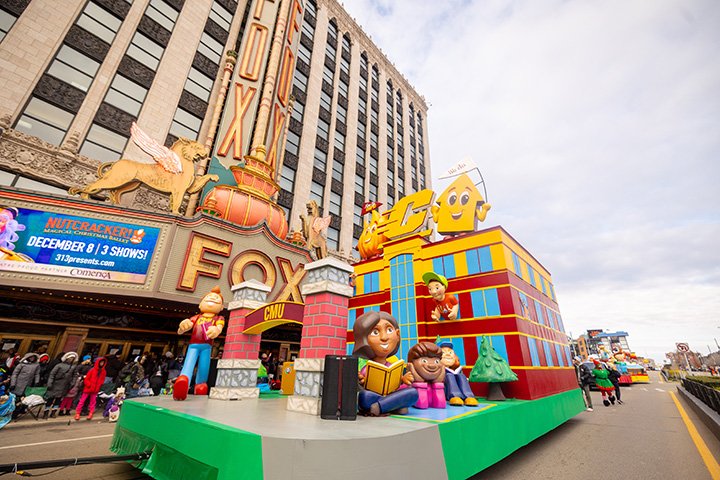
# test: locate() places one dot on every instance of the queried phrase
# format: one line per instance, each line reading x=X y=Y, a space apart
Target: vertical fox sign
x=258 y=96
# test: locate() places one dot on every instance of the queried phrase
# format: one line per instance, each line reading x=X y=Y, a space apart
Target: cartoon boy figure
x=446 y=305
x=205 y=326
x=457 y=386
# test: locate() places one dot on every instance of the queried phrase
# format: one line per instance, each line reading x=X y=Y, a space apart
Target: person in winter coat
x=614 y=377
x=67 y=401
x=114 y=365
x=44 y=361
x=85 y=365
x=584 y=378
x=91 y=386
x=26 y=374
x=59 y=382
x=4 y=373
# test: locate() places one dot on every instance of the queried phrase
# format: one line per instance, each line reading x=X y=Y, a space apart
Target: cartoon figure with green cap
x=446 y=305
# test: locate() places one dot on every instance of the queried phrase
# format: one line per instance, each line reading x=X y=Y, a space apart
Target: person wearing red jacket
x=91 y=386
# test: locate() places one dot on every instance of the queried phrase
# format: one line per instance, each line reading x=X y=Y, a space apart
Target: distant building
x=589 y=343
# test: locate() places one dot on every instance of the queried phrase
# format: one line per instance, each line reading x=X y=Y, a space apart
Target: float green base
x=204 y=439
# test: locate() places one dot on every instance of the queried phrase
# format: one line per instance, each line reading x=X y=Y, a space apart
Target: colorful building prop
x=503 y=291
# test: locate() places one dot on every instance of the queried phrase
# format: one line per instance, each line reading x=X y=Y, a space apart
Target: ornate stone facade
x=31 y=157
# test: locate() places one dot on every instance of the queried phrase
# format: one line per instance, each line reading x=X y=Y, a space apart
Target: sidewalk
x=27 y=421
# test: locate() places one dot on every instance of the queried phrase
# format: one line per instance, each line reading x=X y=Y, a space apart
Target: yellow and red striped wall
x=492 y=276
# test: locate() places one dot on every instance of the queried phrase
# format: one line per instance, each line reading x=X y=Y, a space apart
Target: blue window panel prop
x=538 y=311
x=492 y=302
x=449 y=264
x=542 y=284
x=531 y=273
x=498 y=343
x=473 y=262
x=485 y=259
x=534 y=357
x=567 y=355
x=561 y=326
x=478 y=303
x=438 y=266
x=349 y=348
x=516 y=264
x=560 y=356
x=548 y=355
x=352 y=313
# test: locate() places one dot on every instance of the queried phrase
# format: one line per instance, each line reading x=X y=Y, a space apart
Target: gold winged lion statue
x=173 y=171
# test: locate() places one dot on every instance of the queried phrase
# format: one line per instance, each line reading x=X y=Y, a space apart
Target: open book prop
x=381 y=379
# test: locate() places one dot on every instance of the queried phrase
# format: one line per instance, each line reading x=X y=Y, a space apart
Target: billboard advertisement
x=47 y=243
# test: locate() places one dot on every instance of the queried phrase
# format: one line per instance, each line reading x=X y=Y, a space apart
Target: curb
x=708 y=416
x=59 y=421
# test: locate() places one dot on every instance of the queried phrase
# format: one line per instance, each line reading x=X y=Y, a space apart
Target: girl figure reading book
x=384 y=387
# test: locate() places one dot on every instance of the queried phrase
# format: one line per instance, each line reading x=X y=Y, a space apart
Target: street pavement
x=645 y=439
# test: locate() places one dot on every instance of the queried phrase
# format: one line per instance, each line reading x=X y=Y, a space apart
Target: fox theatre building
x=101 y=279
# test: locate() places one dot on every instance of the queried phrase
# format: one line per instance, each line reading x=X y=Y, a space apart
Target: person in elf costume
x=603 y=384
x=205 y=327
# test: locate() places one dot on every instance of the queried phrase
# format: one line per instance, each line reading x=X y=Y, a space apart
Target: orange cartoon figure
x=370 y=241
x=459 y=207
x=205 y=327
x=446 y=305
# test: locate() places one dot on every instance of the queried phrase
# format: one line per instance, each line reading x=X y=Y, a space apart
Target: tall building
x=73 y=80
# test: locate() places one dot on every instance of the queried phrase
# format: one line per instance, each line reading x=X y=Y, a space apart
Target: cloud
x=596 y=128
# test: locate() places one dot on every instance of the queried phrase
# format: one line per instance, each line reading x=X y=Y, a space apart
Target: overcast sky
x=597 y=128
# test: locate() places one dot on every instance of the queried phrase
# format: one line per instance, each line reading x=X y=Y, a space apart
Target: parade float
x=447 y=286
x=475 y=296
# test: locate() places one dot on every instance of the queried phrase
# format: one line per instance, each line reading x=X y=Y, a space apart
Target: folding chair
x=35 y=400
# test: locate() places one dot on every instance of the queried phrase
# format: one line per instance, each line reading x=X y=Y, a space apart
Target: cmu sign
x=264 y=318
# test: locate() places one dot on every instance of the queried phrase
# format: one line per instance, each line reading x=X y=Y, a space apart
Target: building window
x=320 y=160
x=339 y=141
x=359 y=184
x=323 y=129
x=333 y=238
x=316 y=193
x=292 y=144
x=335 y=203
x=71 y=67
x=103 y=144
x=300 y=80
x=360 y=156
x=337 y=173
x=287 y=178
x=185 y=124
x=44 y=121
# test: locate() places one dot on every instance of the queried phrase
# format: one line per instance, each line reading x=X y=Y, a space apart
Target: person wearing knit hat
x=59 y=382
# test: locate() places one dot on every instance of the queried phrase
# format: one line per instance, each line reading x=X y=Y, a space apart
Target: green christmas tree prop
x=493 y=369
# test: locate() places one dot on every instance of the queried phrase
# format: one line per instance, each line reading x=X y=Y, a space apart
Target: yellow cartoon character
x=458 y=208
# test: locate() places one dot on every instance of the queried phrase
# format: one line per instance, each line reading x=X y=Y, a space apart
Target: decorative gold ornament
x=173 y=171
